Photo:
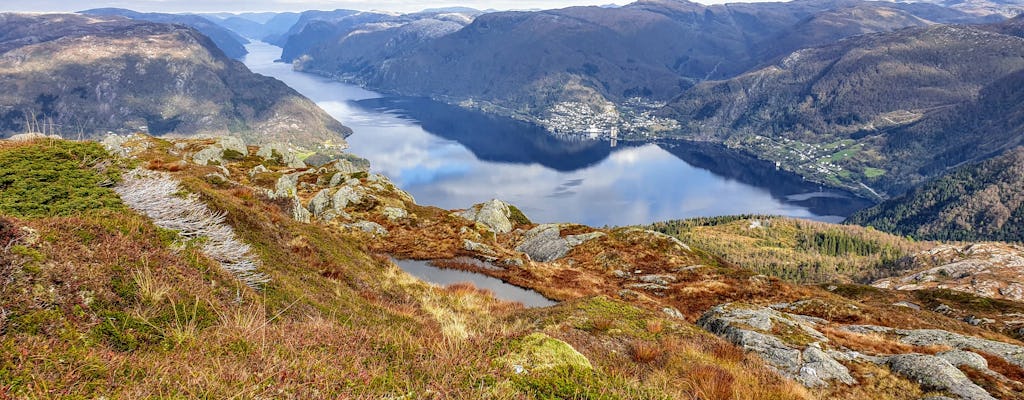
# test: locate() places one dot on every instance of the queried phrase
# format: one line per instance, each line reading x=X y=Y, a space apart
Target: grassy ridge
x=796 y=250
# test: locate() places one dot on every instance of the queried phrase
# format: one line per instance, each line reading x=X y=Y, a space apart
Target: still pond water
x=452 y=158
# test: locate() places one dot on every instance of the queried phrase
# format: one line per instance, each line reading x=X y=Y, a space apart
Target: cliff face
x=81 y=76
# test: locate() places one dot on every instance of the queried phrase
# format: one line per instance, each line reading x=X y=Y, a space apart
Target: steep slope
x=864 y=111
x=305 y=18
x=226 y=40
x=983 y=201
x=259 y=26
x=317 y=28
x=80 y=76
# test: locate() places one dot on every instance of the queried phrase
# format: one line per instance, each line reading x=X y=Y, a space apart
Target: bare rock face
x=935 y=373
x=795 y=352
x=994 y=270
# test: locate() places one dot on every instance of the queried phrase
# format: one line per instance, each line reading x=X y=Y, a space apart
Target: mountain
x=169 y=270
x=84 y=76
x=228 y=41
x=258 y=26
x=876 y=113
x=305 y=18
x=319 y=28
x=983 y=201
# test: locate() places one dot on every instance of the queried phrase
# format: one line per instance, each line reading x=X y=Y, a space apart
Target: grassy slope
x=796 y=250
x=103 y=303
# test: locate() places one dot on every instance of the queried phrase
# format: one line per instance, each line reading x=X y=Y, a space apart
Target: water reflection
x=452 y=158
x=444 y=277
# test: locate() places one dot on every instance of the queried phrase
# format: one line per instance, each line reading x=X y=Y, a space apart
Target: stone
x=672 y=312
x=347 y=167
x=481 y=248
x=394 y=213
x=751 y=327
x=259 y=169
x=650 y=287
x=234 y=144
x=935 y=373
x=907 y=304
x=657 y=279
x=24 y=137
x=287 y=156
x=336 y=179
x=493 y=214
x=115 y=145
x=964 y=358
x=622 y=274
x=345 y=196
x=287 y=185
x=300 y=213
x=320 y=203
x=1012 y=353
x=944 y=309
x=369 y=227
x=544 y=243
x=212 y=154
x=627 y=294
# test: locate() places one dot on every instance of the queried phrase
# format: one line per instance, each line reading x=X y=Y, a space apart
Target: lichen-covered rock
x=544 y=243
x=345 y=196
x=926 y=337
x=287 y=185
x=657 y=279
x=300 y=213
x=259 y=169
x=320 y=203
x=394 y=213
x=369 y=227
x=964 y=358
x=476 y=247
x=540 y=352
x=935 y=373
x=494 y=214
x=282 y=152
x=212 y=154
x=234 y=144
x=753 y=327
x=347 y=167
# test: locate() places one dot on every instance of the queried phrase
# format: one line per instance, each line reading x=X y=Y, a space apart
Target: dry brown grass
x=1000 y=365
x=645 y=352
x=655 y=326
x=711 y=382
x=875 y=343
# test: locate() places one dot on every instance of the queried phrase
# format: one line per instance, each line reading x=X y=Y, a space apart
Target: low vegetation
x=796 y=250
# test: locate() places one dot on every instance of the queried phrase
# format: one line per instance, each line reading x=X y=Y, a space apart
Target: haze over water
x=452 y=158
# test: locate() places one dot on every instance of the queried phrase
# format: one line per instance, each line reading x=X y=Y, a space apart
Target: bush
x=56 y=178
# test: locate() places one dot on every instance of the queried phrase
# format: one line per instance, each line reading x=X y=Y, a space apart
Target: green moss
x=517 y=217
x=537 y=352
x=36 y=322
x=233 y=155
x=124 y=332
x=56 y=178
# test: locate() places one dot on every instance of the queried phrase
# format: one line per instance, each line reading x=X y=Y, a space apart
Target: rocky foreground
x=278 y=272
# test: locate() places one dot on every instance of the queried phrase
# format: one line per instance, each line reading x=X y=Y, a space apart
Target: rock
x=627 y=294
x=1013 y=354
x=964 y=358
x=234 y=144
x=320 y=203
x=544 y=242
x=24 y=137
x=345 y=196
x=287 y=185
x=493 y=214
x=336 y=179
x=650 y=287
x=215 y=178
x=282 y=153
x=935 y=373
x=394 y=213
x=657 y=279
x=540 y=352
x=347 y=167
x=212 y=154
x=944 y=309
x=973 y=320
x=907 y=304
x=622 y=274
x=300 y=213
x=671 y=312
x=751 y=327
x=259 y=169
x=369 y=227
x=659 y=236
x=476 y=247
x=115 y=145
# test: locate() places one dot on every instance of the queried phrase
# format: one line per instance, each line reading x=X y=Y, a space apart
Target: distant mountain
x=887 y=110
x=81 y=76
x=229 y=42
x=982 y=201
x=257 y=25
x=317 y=30
x=303 y=19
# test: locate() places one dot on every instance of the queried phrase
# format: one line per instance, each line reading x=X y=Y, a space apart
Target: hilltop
x=258 y=278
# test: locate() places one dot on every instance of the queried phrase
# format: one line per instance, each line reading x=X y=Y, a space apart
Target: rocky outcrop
x=544 y=243
x=935 y=373
x=994 y=270
x=1013 y=354
x=494 y=214
x=761 y=330
x=282 y=153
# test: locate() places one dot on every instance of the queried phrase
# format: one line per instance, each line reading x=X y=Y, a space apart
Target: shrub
x=56 y=178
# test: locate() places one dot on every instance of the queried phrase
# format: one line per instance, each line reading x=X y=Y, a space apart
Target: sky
x=177 y=6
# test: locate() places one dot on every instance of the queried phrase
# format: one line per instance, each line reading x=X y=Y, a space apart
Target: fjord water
x=449 y=157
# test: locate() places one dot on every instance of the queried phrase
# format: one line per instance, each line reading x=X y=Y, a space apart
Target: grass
x=871 y=173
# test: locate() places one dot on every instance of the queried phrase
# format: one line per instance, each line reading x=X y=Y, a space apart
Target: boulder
x=494 y=214
x=287 y=156
x=964 y=358
x=476 y=247
x=234 y=144
x=394 y=213
x=544 y=243
x=369 y=227
x=212 y=154
x=540 y=352
x=935 y=373
x=320 y=203
x=287 y=185
x=259 y=169
x=347 y=167
x=345 y=196
x=300 y=213
x=751 y=327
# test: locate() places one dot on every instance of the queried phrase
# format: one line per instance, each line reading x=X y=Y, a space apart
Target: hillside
x=875 y=113
x=226 y=40
x=257 y=278
x=982 y=201
x=83 y=76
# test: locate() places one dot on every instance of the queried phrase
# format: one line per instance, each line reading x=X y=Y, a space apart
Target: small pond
x=444 y=277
